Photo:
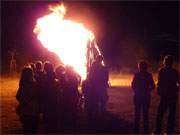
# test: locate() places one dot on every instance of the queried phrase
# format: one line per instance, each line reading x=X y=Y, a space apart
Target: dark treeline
x=125 y=31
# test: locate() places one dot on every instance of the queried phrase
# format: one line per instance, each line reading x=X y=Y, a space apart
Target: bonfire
x=72 y=42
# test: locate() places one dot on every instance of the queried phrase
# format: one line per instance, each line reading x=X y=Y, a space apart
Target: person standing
x=142 y=84
x=49 y=98
x=38 y=75
x=60 y=76
x=88 y=99
x=98 y=77
x=167 y=87
x=70 y=100
x=27 y=96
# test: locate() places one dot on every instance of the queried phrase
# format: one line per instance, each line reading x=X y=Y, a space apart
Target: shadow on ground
x=109 y=123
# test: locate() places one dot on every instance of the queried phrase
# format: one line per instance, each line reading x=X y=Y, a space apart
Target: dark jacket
x=143 y=84
x=168 y=80
x=27 y=97
x=99 y=76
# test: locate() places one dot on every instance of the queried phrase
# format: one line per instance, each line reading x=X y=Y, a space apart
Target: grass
x=9 y=120
x=120 y=104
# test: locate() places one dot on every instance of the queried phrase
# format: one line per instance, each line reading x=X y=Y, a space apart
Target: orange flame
x=66 y=38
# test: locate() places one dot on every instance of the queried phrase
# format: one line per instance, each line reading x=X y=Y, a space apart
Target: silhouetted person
x=50 y=99
x=62 y=84
x=70 y=100
x=27 y=97
x=142 y=84
x=98 y=77
x=38 y=75
x=168 y=82
x=88 y=97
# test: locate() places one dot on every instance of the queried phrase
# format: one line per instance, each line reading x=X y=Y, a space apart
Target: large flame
x=66 y=38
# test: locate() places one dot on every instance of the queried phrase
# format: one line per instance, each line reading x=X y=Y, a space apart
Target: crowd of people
x=55 y=94
x=167 y=88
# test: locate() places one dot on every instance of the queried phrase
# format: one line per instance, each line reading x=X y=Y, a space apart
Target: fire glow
x=66 y=38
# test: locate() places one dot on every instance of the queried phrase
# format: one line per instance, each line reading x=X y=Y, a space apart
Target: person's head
x=142 y=66
x=99 y=59
x=60 y=70
x=168 y=61
x=32 y=65
x=38 y=66
x=26 y=75
x=48 y=67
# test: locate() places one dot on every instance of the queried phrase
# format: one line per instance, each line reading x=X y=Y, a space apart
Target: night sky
x=125 y=31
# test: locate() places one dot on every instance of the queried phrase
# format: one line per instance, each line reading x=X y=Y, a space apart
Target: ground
x=120 y=107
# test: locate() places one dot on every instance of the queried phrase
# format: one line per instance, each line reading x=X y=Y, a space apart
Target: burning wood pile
x=72 y=42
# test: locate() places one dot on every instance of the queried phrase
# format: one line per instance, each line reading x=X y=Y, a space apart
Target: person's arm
x=107 y=76
x=23 y=96
x=159 y=83
x=134 y=82
x=178 y=80
x=152 y=84
x=19 y=95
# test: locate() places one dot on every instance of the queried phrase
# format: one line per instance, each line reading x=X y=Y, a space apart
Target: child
x=142 y=85
x=27 y=98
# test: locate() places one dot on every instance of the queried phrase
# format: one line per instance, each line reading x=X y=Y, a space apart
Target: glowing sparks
x=66 y=38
